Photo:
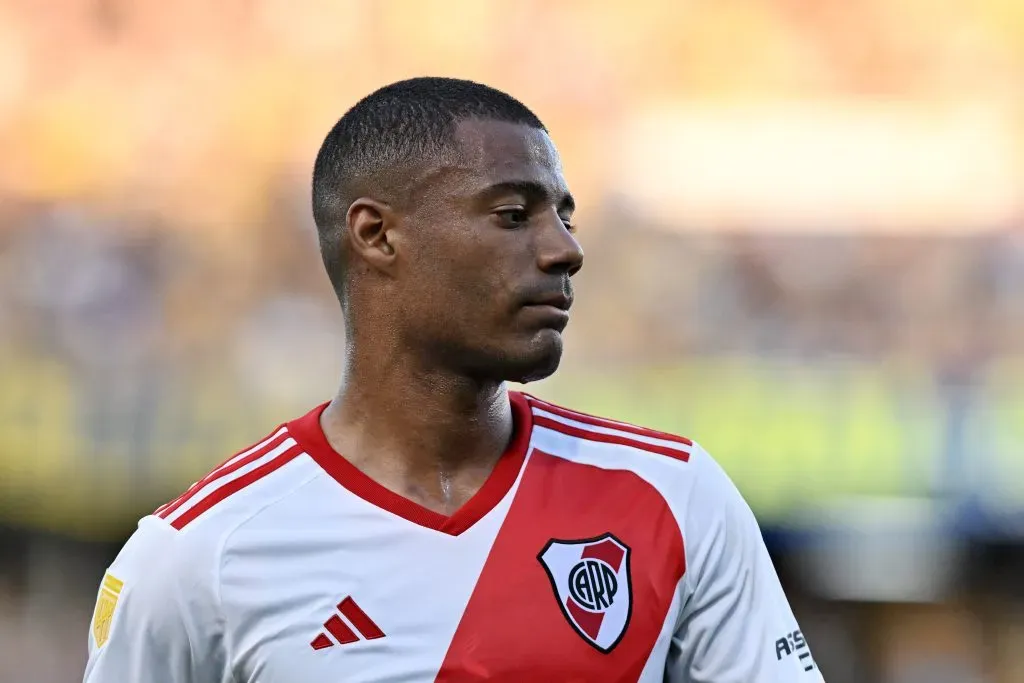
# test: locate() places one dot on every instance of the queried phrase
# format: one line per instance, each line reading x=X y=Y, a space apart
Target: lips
x=551 y=311
x=555 y=300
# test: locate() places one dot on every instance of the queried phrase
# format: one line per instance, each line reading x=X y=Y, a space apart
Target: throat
x=447 y=493
x=438 y=465
x=442 y=491
x=431 y=438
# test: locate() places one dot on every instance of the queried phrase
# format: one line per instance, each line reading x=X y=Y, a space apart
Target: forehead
x=498 y=151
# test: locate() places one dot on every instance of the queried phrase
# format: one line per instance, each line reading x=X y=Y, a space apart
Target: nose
x=557 y=249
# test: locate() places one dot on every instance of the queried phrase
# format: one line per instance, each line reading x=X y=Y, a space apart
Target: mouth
x=550 y=311
x=557 y=301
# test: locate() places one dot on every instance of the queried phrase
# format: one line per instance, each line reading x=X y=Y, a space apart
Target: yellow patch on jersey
x=110 y=591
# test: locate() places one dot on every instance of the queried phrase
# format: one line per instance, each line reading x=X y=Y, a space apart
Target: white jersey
x=595 y=551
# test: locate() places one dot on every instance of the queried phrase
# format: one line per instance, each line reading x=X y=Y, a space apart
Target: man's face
x=486 y=284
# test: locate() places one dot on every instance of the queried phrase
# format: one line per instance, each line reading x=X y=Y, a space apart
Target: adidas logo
x=355 y=626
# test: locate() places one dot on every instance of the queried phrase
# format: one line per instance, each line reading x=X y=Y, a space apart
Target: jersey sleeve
x=736 y=624
x=155 y=619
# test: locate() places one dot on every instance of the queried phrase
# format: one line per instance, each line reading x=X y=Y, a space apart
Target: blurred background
x=804 y=225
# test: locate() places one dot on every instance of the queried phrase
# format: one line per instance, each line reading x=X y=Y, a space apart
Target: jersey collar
x=308 y=433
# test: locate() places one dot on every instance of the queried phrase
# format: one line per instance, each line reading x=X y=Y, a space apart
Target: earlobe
x=368 y=222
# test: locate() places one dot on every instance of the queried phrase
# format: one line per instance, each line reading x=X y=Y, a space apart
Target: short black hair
x=392 y=129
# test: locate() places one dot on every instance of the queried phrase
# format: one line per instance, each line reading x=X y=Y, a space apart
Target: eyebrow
x=530 y=189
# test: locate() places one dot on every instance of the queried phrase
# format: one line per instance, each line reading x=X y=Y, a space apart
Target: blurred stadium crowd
x=860 y=373
x=133 y=354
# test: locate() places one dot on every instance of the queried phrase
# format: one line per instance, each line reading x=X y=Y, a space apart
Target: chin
x=537 y=362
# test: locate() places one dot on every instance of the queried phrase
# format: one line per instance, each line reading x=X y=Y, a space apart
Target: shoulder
x=697 y=489
x=668 y=464
x=246 y=484
x=614 y=436
x=157 y=566
x=178 y=548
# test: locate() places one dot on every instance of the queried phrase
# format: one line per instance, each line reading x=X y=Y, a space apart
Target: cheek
x=489 y=291
x=447 y=293
x=466 y=280
x=476 y=276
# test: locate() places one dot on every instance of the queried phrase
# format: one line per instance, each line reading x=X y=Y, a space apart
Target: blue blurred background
x=805 y=249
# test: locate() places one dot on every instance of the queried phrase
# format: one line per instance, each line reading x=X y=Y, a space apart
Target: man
x=428 y=524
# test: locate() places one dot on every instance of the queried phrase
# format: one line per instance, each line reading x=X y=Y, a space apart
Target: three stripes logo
x=349 y=625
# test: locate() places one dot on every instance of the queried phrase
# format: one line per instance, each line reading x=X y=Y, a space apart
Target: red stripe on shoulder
x=234 y=486
x=222 y=470
x=620 y=439
x=607 y=423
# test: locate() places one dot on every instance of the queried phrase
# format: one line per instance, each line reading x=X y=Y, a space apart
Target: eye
x=569 y=225
x=512 y=218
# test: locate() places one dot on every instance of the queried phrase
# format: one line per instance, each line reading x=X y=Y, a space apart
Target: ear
x=369 y=223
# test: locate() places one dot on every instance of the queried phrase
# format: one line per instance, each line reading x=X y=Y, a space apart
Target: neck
x=426 y=433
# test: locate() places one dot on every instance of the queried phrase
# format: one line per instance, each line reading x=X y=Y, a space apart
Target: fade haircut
x=388 y=132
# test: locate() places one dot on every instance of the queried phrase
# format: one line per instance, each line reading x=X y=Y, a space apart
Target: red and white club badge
x=591 y=581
